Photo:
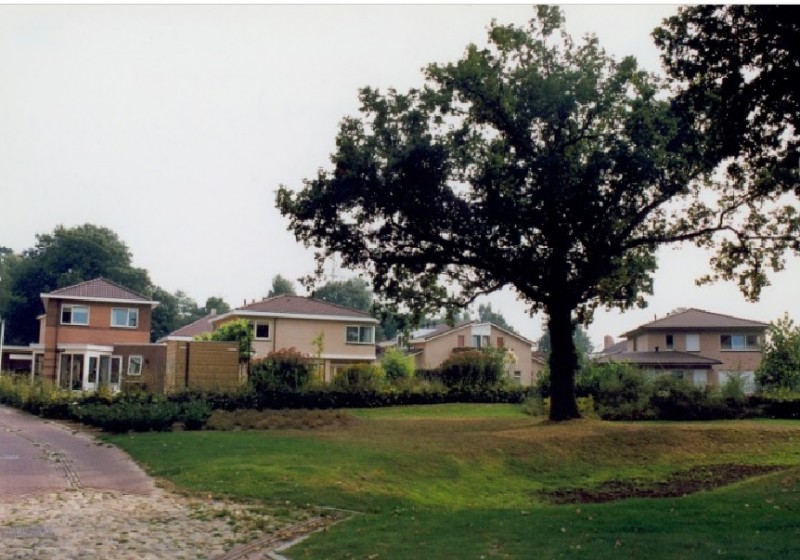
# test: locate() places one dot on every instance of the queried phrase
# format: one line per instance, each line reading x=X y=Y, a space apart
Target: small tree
x=239 y=330
x=780 y=361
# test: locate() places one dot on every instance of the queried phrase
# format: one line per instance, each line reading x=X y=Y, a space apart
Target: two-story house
x=703 y=347
x=336 y=335
x=80 y=329
x=431 y=347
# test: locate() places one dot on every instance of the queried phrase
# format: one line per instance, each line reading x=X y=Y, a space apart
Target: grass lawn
x=476 y=481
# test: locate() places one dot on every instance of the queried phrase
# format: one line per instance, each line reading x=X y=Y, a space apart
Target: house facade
x=700 y=346
x=80 y=328
x=337 y=336
x=431 y=347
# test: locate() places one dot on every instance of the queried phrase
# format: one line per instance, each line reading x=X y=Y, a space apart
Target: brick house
x=347 y=336
x=699 y=346
x=80 y=328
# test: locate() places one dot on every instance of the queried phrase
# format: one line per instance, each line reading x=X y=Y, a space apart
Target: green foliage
x=353 y=293
x=734 y=68
x=473 y=368
x=359 y=378
x=397 y=365
x=141 y=412
x=42 y=397
x=583 y=344
x=281 y=286
x=780 y=359
x=283 y=370
x=238 y=330
x=622 y=392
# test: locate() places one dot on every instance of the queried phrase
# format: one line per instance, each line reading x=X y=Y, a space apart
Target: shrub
x=359 y=377
x=285 y=369
x=623 y=392
x=780 y=362
x=397 y=365
x=472 y=368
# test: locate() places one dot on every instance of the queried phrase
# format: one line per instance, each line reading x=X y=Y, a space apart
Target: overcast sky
x=174 y=125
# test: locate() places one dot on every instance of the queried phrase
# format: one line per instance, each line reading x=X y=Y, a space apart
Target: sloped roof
x=615 y=348
x=660 y=359
x=98 y=289
x=444 y=329
x=427 y=334
x=699 y=320
x=202 y=325
x=297 y=306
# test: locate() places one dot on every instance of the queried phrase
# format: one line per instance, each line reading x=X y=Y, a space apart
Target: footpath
x=65 y=495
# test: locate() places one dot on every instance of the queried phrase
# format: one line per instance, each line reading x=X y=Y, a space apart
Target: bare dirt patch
x=680 y=483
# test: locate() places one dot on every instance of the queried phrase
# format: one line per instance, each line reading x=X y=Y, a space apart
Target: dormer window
x=125 y=317
x=74 y=315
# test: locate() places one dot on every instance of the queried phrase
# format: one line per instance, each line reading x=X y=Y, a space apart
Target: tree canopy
x=280 y=286
x=62 y=258
x=735 y=70
x=538 y=163
x=487 y=315
x=354 y=293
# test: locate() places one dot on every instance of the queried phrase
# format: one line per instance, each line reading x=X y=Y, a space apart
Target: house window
x=124 y=317
x=501 y=342
x=692 y=342
x=360 y=335
x=461 y=341
x=518 y=377
x=74 y=315
x=480 y=341
x=670 y=345
x=135 y=365
x=739 y=342
x=261 y=331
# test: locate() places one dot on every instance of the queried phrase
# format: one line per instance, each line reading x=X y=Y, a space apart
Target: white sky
x=174 y=125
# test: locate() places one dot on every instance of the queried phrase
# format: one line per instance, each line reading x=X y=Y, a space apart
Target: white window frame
x=71 y=307
x=361 y=330
x=131 y=360
x=129 y=311
x=256 y=324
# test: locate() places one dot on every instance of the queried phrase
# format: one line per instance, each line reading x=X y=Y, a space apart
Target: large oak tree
x=537 y=163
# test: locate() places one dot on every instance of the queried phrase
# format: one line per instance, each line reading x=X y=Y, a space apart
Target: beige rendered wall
x=438 y=349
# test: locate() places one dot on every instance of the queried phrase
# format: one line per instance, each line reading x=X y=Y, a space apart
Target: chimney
x=213 y=312
x=608 y=342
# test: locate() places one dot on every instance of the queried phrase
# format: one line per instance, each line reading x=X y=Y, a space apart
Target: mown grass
x=468 y=481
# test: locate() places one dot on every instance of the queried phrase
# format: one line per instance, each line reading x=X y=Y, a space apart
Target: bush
x=623 y=392
x=359 y=378
x=472 y=368
x=397 y=365
x=282 y=370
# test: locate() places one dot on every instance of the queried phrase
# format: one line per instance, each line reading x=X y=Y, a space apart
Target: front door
x=103 y=371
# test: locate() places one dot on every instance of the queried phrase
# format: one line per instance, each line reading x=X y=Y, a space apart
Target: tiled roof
x=441 y=329
x=615 y=348
x=659 y=359
x=98 y=288
x=202 y=325
x=297 y=305
x=698 y=319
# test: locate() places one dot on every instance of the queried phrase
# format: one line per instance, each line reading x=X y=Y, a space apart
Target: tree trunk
x=563 y=364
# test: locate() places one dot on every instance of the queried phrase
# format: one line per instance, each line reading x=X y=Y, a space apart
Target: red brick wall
x=99 y=330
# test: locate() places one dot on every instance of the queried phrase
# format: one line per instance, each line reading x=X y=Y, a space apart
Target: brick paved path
x=39 y=457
